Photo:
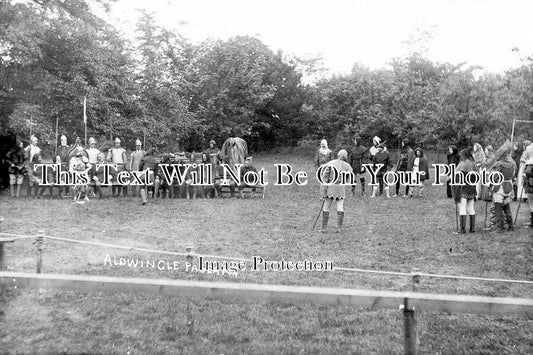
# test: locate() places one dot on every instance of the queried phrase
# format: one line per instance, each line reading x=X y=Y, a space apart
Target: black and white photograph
x=266 y=177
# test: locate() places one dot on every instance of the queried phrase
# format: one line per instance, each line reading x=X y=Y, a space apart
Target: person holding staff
x=334 y=192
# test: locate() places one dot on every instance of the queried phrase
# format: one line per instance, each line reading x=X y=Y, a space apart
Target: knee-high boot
x=472 y=223
x=340 y=217
x=362 y=180
x=325 y=218
x=463 y=224
x=508 y=216
x=498 y=209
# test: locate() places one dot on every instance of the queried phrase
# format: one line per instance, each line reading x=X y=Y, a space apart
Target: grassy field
x=395 y=235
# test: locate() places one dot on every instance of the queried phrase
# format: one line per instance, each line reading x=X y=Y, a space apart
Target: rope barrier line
x=396 y=273
x=421 y=274
x=145 y=249
x=18 y=236
x=344 y=269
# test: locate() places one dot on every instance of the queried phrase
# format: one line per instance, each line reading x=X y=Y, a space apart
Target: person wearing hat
x=376 y=141
x=358 y=157
x=336 y=191
x=324 y=154
x=465 y=194
x=117 y=155
x=135 y=159
x=212 y=152
x=381 y=157
x=16 y=161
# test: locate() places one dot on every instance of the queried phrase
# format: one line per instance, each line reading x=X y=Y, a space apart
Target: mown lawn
x=396 y=235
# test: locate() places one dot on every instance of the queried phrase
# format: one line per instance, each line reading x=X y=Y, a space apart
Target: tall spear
x=85 y=117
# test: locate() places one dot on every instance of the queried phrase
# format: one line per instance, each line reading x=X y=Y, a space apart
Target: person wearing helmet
x=135 y=159
x=62 y=158
x=92 y=151
x=117 y=155
x=324 y=154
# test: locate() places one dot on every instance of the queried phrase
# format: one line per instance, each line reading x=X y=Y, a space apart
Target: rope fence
x=190 y=253
x=372 y=299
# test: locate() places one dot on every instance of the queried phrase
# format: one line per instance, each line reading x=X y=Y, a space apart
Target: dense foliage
x=170 y=92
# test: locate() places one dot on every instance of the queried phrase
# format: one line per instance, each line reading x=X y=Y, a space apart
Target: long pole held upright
x=512 y=132
x=85 y=117
x=57 y=124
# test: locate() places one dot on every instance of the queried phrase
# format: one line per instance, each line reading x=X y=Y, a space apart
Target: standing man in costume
x=358 y=157
x=421 y=166
x=516 y=155
x=464 y=195
x=63 y=154
x=502 y=193
x=117 y=155
x=79 y=164
x=148 y=162
x=336 y=191
x=16 y=160
x=381 y=157
x=92 y=151
x=324 y=154
x=32 y=149
x=526 y=155
x=376 y=141
x=453 y=159
x=405 y=163
x=212 y=152
x=135 y=160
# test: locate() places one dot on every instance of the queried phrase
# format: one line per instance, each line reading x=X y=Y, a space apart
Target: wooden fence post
x=189 y=315
x=409 y=325
x=39 y=239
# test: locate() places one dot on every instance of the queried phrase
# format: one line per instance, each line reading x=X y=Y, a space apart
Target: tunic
x=135 y=159
x=358 y=157
x=93 y=155
x=335 y=191
x=116 y=155
x=322 y=157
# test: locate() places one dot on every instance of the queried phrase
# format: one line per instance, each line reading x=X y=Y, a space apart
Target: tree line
x=175 y=94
